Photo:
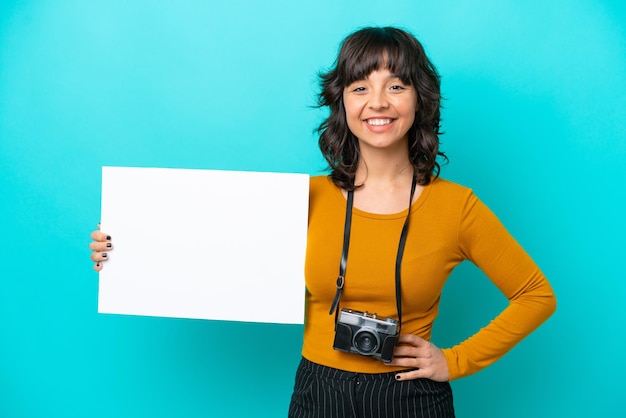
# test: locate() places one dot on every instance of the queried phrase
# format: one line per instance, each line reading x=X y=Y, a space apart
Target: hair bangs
x=373 y=51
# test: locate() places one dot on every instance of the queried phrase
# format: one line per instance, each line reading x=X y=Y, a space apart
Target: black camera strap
x=341 y=280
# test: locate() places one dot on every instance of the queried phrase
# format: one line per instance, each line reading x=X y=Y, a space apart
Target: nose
x=378 y=99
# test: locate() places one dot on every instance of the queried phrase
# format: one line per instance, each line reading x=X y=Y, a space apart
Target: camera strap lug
x=340 y=283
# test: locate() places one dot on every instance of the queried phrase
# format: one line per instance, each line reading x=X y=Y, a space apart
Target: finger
x=413 y=374
x=97 y=267
x=412 y=346
x=412 y=339
x=435 y=373
x=100 y=246
x=411 y=362
x=100 y=236
x=406 y=351
x=99 y=256
x=404 y=362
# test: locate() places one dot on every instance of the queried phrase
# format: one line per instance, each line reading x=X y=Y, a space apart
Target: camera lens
x=365 y=342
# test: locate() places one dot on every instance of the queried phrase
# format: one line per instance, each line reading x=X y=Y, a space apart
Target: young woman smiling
x=395 y=230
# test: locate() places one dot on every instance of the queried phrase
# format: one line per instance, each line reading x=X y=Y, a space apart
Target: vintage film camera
x=366 y=334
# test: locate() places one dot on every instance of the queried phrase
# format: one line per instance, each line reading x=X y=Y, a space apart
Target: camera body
x=366 y=334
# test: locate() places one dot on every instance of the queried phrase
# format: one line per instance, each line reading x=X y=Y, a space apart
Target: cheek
x=410 y=112
x=412 y=117
x=352 y=115
x=348 y=108
x=407 y=111
x=353 y=125
x=410 y=105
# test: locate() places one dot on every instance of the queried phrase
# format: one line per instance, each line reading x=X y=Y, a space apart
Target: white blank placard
x=206 y=244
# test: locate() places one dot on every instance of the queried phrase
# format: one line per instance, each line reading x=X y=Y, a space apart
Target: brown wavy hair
x=366 y=50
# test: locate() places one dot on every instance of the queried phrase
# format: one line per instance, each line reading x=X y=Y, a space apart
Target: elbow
x=552 y=304
x=545 y=299
x=547 y=304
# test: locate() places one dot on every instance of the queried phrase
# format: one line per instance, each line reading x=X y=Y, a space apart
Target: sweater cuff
x=451 y=360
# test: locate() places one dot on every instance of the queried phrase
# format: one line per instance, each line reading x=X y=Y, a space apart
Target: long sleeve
x=483 y=240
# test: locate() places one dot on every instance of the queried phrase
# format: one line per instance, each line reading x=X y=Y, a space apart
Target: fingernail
x=397 y=377
x=98 y=264
x=108 y=237
x=104 y=255
x=109 y=245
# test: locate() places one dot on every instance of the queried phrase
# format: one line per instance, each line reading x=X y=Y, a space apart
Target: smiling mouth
x=378 y=122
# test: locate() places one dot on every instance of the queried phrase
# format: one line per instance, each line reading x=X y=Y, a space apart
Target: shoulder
x=449 y=190
x=324 y=193
x=321 y=183
x=447 y=198
x=320 y=179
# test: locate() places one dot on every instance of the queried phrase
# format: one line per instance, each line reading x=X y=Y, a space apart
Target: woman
x=394 y=231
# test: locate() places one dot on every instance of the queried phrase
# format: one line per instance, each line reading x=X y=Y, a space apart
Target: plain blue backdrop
x=533 y=119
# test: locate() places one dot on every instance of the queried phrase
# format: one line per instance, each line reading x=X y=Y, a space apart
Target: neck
x=384 y=169
x=386 y=184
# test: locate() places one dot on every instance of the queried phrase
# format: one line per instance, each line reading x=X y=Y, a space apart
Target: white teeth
x=378 y=122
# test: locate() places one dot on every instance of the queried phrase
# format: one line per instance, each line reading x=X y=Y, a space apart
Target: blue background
x=534 y=120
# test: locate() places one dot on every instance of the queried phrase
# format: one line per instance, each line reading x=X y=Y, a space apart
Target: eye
x=357 y=86
x=397 y=87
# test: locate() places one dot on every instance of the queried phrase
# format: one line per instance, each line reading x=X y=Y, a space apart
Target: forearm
x=523 y=315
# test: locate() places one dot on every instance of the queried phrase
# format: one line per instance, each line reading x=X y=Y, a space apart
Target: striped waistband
x=331 y=372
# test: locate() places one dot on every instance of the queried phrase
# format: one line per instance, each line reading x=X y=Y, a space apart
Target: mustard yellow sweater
x=448 y=225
